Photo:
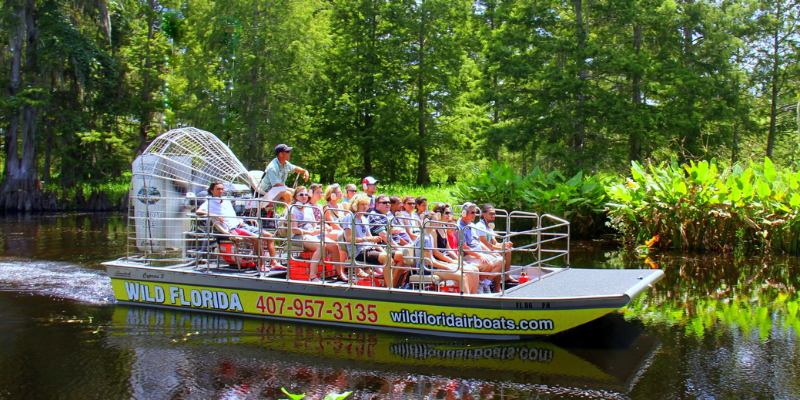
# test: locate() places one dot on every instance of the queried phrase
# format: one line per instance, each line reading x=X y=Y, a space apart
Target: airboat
x=177 y=259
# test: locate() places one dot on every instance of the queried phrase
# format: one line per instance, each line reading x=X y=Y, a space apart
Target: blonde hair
x=357 y=200
x=329 y=191
x=298 y=190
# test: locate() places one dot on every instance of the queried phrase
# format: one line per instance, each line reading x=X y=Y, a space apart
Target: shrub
x=698 y=206
x=580 y=199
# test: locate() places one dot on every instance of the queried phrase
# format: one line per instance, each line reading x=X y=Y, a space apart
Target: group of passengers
x=385 y=228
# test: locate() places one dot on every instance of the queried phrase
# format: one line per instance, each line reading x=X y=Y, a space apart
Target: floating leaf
x=337 y=396
x=293 y=396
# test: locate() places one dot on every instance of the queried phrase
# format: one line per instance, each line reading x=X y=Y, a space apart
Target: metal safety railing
x=167 y=231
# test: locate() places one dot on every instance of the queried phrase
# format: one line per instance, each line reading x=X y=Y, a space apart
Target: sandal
x=276 y=266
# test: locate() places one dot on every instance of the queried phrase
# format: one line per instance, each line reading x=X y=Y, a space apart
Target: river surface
x=717 y=327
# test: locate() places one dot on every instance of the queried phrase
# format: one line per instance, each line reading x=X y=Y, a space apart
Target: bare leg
x=313 y=267
x=470 y=278
x=270 y=249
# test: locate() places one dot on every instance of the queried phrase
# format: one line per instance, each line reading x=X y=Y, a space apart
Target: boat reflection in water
x=182 y=353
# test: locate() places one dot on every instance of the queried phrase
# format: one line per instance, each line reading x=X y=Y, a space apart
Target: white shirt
x=217 y=207
x=484 y=230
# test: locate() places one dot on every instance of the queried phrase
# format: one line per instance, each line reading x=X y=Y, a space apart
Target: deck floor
x=576 y=283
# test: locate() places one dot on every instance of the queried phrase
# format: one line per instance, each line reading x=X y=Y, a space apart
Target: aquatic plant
x=580 y=198
x=702 y=206
x=329 y=396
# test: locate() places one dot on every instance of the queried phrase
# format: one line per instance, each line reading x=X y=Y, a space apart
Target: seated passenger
x=365 y=247
x=407 y=218
x=370 y=186
x=305 y=229
x=395 y=205
x=489 y=264
x=349 y=191
x=451 y=235
x=380 y=218
x=314 y=196
x=222 y=213
x=333 y=214
x=420 y=207
x=485 y=231
x=447 y=270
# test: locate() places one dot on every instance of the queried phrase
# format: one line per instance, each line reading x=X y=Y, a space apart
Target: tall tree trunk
x=774 y=78
x=146 y=96
x=423 y=177
x=635 y=136
x=579 y=134
x=367 y=91
x=19 y=190
x=691 y=133
x=11 y=135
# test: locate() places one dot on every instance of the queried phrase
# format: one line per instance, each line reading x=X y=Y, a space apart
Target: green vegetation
x=580 y=199
x=408 y=91
x=434 y=194
x=702 y=206
x=103 y=196
x=329 y=396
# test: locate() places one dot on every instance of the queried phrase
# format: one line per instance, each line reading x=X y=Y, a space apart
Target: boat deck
x=553 y=284
x=584 y=283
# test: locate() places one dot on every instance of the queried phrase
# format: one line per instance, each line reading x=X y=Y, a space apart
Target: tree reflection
x=707 y=292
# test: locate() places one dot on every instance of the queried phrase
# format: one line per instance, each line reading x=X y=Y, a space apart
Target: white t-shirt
x=484 y=231
x=217 y=207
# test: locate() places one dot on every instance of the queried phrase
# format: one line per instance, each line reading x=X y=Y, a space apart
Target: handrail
x=538 y=239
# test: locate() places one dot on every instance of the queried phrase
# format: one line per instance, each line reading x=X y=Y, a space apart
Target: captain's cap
x=282 y=148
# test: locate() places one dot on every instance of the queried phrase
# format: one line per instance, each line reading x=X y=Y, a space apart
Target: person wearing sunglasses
x=486 y=234
x=475 y=252
x=349 y=191
x=408 y=218
x=427 y=260
x=380 y=218
x=366 y=247
x=306 y=230
x=223 y=216
x=449 y=235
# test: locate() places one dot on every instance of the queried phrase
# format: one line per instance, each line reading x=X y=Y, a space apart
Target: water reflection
x=87 y=238
x=715 y=327
x=229 y=354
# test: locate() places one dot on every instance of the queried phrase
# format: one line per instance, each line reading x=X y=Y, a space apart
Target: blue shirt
x=362 y=230
x=469 y=238
x=276 y=174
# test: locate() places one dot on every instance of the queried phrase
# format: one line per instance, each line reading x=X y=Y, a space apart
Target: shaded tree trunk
x=774 y=89
x=635 y=137
x=579 y=133
x=690 y=134
x=146 y=96
x=423 y=177
x=20 y=189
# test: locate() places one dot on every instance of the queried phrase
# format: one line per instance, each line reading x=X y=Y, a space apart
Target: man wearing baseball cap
x=274 y=181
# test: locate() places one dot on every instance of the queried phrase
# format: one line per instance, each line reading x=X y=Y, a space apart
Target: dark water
x=715 y=328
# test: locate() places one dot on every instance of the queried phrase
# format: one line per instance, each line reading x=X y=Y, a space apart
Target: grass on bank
x=76 y=196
